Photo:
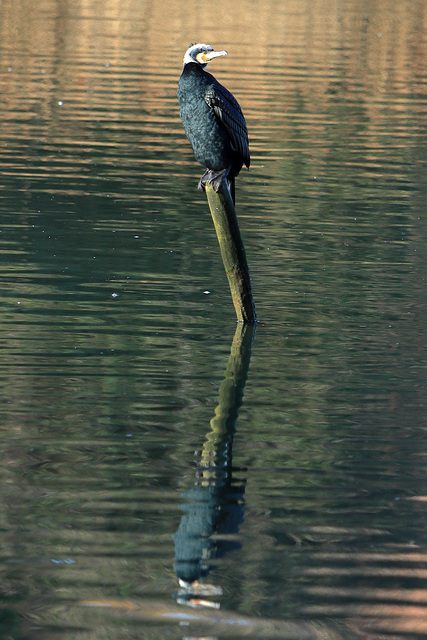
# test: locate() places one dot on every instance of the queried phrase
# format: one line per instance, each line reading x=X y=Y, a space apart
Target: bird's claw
x=214 y=178
x=203 y=180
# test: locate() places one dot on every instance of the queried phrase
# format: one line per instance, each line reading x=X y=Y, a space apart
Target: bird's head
x=201 y=54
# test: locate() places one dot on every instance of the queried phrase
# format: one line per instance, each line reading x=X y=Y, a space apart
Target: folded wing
x=230 y=115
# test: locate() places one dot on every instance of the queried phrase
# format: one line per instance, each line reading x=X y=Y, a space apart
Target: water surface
x=308 y=509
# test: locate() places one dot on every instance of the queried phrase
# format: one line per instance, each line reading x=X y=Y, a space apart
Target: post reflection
x=214 y=507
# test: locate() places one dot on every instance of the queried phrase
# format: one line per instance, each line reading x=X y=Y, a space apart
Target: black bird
x=212 y=119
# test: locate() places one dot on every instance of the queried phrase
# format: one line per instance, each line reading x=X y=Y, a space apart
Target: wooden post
x=232 y=251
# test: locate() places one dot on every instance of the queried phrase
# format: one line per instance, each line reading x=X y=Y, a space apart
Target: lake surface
x=129 y=457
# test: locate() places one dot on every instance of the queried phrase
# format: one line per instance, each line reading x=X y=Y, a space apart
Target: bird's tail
x=232 y=187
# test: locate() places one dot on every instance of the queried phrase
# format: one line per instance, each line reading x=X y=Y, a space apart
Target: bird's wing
x=230 y=115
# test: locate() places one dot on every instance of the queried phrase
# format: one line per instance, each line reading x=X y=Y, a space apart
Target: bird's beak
x=210 y=55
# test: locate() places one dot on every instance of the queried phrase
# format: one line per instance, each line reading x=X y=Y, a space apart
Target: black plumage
x=212 y=119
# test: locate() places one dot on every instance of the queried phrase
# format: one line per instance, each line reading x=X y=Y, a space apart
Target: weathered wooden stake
x=232 y=251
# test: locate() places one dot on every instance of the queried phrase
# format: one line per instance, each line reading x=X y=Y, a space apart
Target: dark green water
x=117 y=324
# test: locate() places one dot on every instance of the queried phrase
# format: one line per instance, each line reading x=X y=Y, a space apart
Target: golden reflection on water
x=103 y=76
x=59 y=48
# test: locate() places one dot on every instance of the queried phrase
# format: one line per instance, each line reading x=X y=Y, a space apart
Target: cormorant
x=212 y=119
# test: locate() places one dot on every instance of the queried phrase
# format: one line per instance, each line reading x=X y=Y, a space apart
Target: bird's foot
x=212 y=177
x=203 y=180
x=217 y=177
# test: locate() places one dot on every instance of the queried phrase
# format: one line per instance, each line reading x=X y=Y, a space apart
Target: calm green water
x=117 y=325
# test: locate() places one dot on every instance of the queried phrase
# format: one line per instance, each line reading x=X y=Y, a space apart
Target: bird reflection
x=214 y=506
